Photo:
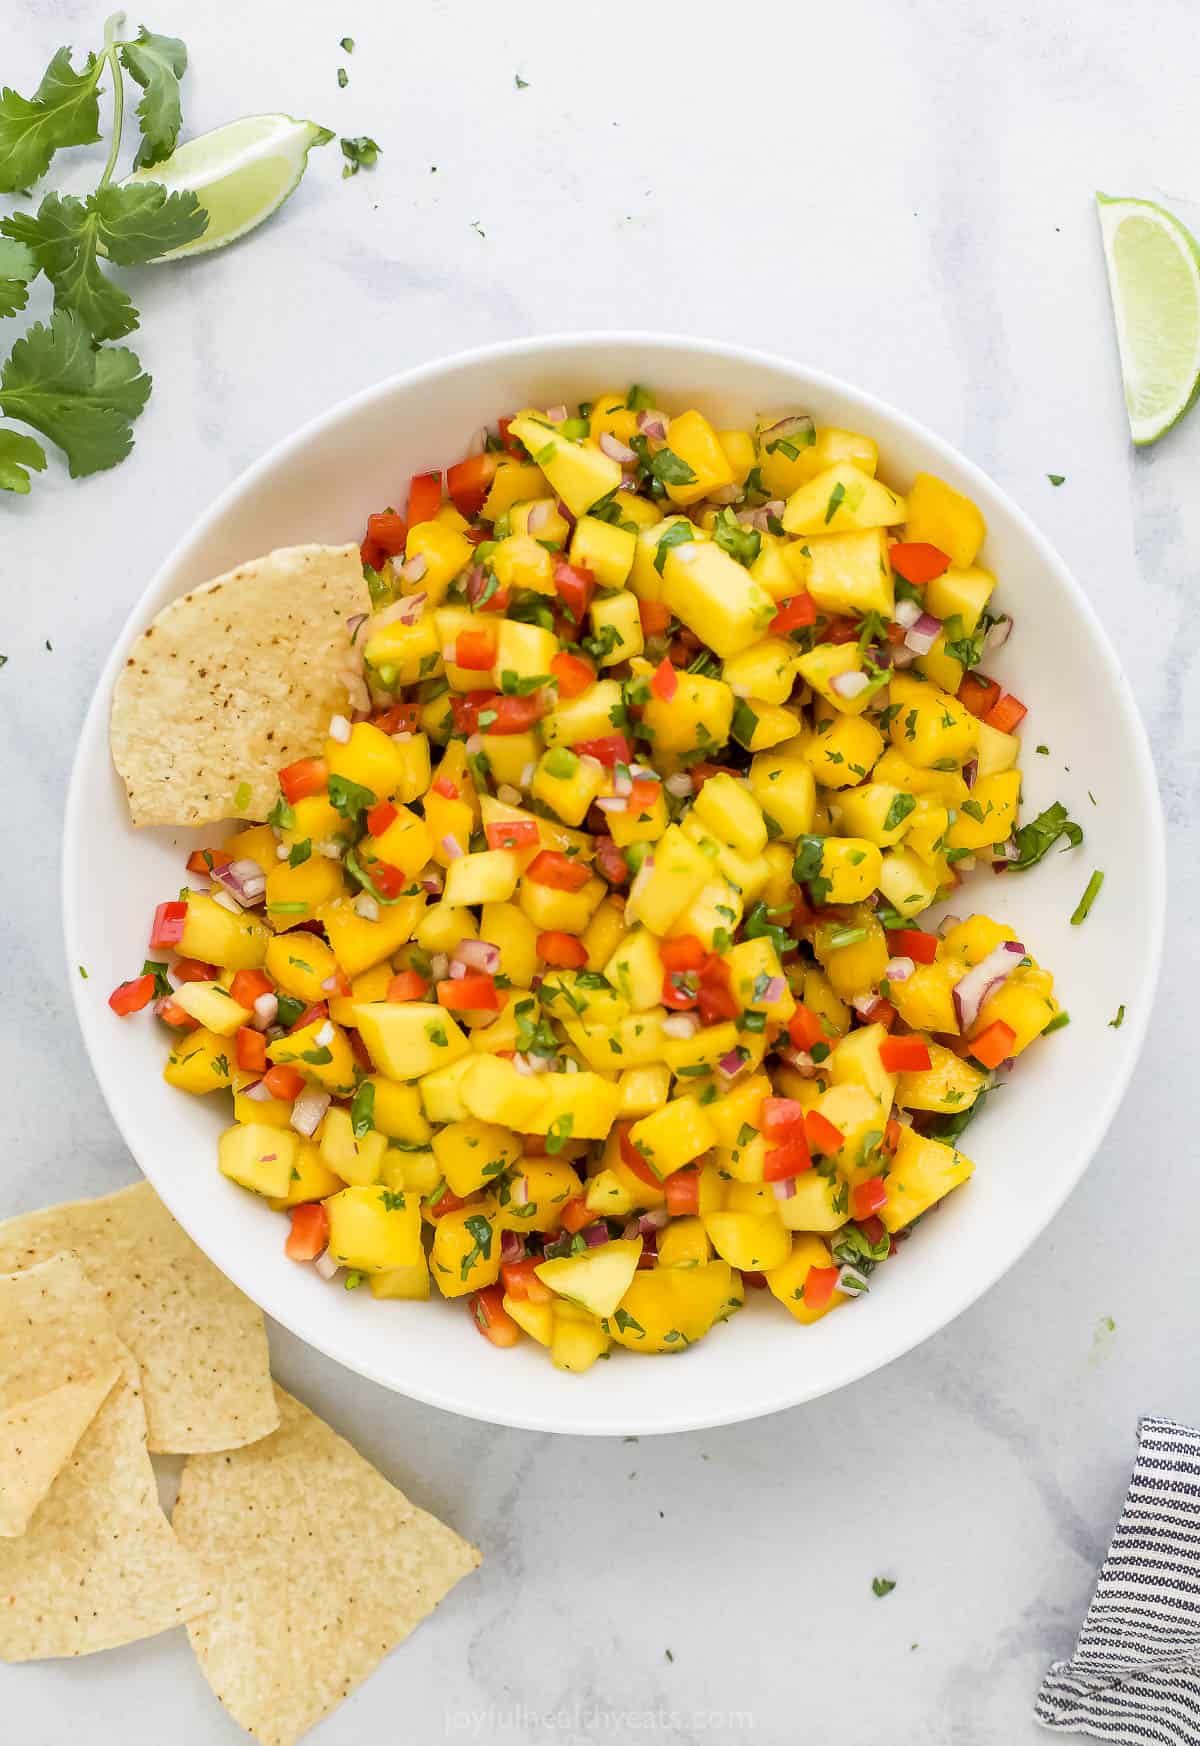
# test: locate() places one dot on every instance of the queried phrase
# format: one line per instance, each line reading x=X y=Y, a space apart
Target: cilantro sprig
x=63 y=378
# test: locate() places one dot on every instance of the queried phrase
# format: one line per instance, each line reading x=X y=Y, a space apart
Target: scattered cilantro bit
x=1056 y=478
x=350 y=799
x=360 y=153
x=559 y=1132
x=300 y=853
x=677 y=534
x=393 y=1199
x=1035 y=839
x=84 y=974
x=745 y=721
x=627 y=1323
x=899 y=810
x=881 y=1585
x=480 y=1230
x=758 y=925
x=836 y=497
x=1059 y=1022
x=354 y=1279
x=1114 y=1024
x=950 y=1127
x=664 y=465
x=478 y=229
x=318 y=1057
x=346 y=43
x=521 y=84
x=242 y=796
x=343 y=78
x=806 y=868
x=362 y=1110
x=162 y=987
x=1042 y=751
x=742 y=543
x=1084 y=907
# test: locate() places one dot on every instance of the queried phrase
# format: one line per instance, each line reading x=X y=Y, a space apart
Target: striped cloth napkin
x=1135 y=1673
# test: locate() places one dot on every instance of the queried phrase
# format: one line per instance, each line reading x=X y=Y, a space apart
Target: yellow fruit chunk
x=943 y=517
x=375 y=1229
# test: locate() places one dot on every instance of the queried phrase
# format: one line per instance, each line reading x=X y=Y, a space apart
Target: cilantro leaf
x=18 y=265
x=666 y=465
x=742 y=543
x=157 y=64
x=1038 y=837
x=81 y=399
x=17 y=454
x=677 y=534
x=63 y=111
x=360 y=154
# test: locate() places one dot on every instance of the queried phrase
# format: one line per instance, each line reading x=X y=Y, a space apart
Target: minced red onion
x=595 y=1235
x=654 y=1220
x=775 y=990
x=679 y=784
x=902 y=657
x=512 y=1246
x=923 y=634
x=477 y=955
x=339 y=729
x=266 y=1009
x=457 y=969
x=243 y=879
x=226 y=901
x=355 y=623
x=414 y=604
x=308 y=1111
x=329 y=986
x=970 y=771
x=539 y=1063
x=520 y=1191
x=452 y=846
x=967 y=863
x=478 y=442
x=653 y=424
x=366 y=906
x=907 y=613
x=257 y=1093
x=622 y=779
x=613 y=803
x=432 y=882
x=947 y=922
x=800 y=1060
x=864 y=1004
x=899 y=969
x=730 y=1065
x=631 y=1230
x=998 y=634
x=539 y=514
x=851 y=684
x=556 y=414
x=331 y=851
x=616 y=450
x=724 y=495
x=397 y=611
x=795 y=424
x=973 y=990
x=473 y=745
x=784 y=1188
x=568 y=515
x=326 y=1266
x=1010 y=850
x=508 y=794
x=439 y=966
x=324 y=1036
x=681 y=1025
x=521 y=1066
x=850 y=1281
x=282 y=851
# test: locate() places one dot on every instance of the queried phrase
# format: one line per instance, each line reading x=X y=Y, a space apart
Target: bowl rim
x=894 y=1341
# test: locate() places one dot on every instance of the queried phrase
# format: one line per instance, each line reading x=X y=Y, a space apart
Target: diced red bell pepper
x=682 y=1189
x=379 y=817
x=780 y=1117
x=515 y=715
x=819 y=1286
x=573 y=674
x=551 y=867
x=446 y=787
x=491 y=1317
x=512 y=445
x=978 y=693
x=561 y=951
x=306 y=776
x=465 y=708
x=821 y=1134
x=684 y=952
x=469 y=482
x=904 y=1055
x=791 y=1158
x=389 y=881
x=371 y=554
x=704 y=772
x=717 y=1000
x=406 y=985
x=317 y=1013
x=644 y=795
x=247 y=986
x=874 y=1230
x=912 y=943
x=387 y=532
x=881 y=1012
x=132 y=996
x=841 y=629
x=805 y=1029
x=424 y=497
x=918 y=562
x=474 y=992
x=665 y=682
x=283 y=1082
x=891 y=1134
x=994 y=1044
x=610 y=862
x=655 y=616
x=195 y=970
x=513 y=833
x=309 y=1235
x=400 y=718
x=867 y=1198
x=167 y=926
x=250 y=1049
x=611 y=750
x=207 y=860
x=1007 y=714
x=575 y=1214
x=574 y=585
x=793 y=614
x=171 y=1013
x=635 y=1162
x=522 y=1283
x=680 y=990
x=475 y=650
x=443 y=1200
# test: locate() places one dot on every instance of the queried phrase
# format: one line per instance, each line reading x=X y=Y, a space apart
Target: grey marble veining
x=897 y=193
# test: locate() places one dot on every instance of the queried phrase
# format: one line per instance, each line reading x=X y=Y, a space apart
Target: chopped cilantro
x=881 y=1585
x=1084 y=907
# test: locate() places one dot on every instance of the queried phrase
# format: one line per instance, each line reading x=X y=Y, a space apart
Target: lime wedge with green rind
x=1154 y=276
x=240 y=173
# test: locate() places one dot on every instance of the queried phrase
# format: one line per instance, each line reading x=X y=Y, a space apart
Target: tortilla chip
x=321 y=1567
x=59 y=1357
x=200 y=1345
x=233 y=681
x=99 y=1564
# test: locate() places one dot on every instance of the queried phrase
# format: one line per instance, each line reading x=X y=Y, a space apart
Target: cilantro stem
x=111 y=26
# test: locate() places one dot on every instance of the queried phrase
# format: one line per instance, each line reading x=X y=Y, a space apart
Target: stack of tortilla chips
x=118 y=1338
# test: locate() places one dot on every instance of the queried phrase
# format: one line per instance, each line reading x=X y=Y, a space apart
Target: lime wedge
x=1154 y=277
x=241 y=173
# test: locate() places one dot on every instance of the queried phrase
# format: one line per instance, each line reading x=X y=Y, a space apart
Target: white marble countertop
x=899 y=194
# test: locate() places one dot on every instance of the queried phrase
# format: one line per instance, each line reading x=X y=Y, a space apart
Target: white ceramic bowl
x=1030 y=1146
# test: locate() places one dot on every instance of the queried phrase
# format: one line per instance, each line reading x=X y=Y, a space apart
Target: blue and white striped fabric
x=1135 y=1674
